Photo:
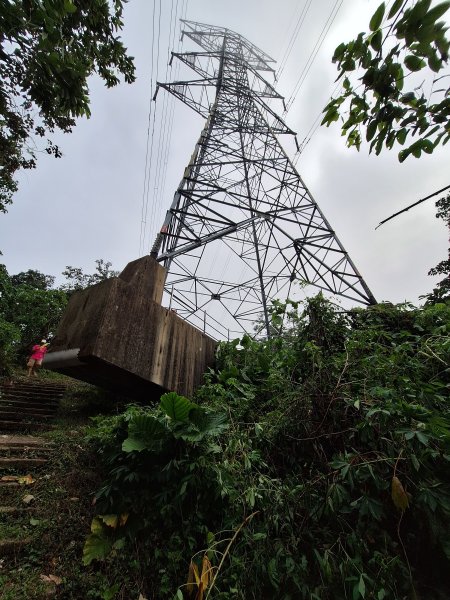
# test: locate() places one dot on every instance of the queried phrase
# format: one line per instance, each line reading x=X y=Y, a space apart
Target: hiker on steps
x=37 y=355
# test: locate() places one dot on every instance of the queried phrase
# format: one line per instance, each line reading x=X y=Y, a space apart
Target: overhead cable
x=323 y=34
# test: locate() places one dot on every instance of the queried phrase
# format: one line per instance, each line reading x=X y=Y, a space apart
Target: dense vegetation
x=31 y=307
x=313 y=465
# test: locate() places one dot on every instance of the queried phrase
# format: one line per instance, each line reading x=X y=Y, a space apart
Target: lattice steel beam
x=242 y=211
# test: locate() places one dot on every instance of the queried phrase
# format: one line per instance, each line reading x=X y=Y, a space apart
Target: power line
x=166 y=127
x=143 y=208
x=150 y=162
x=312 y=130
x=162 y=128
x=314 y=52
x=293 y=39
x=412 y=205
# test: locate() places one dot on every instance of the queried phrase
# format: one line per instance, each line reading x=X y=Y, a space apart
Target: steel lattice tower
x=242 y=227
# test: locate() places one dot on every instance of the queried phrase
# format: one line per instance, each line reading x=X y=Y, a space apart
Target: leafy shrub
x=331 y=480
x=9 y=339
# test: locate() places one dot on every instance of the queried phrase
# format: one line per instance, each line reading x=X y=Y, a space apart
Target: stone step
x=27 y=394
x=32 y=415
x=20 y=441
x=30 y=398
x=33 y=385
x=21 y=463
x=31 y=388
x=14 y=450
x=8 y=547
x=24 y=426
x=24 y=408
x=37 y=398
x=32 y=402
x=15 y=416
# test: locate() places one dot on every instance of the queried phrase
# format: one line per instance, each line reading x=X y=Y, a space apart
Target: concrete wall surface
x=127 y=341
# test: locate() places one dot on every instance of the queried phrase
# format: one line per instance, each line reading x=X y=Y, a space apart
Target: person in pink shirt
x=37 y=356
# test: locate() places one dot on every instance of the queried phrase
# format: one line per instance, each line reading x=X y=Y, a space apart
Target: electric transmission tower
x=243 y=229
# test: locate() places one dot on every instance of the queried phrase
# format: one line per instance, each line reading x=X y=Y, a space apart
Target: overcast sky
x=90 y=204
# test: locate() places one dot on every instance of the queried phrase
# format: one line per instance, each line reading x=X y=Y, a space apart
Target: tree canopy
x=381 y=98
x=77 y=280
x=31 y=307
x=47 y=52
x=442 y=290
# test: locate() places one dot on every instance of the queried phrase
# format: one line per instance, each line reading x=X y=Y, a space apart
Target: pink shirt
x=38 y=352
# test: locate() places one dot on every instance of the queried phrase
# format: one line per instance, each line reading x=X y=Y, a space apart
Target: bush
x=9 y=340
x=330 y=481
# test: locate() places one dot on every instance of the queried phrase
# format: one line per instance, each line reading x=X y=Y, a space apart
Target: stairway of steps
x=29 y=404
x=27 y=407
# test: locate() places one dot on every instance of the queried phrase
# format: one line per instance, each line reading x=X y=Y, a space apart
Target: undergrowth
x=57 y=517
x=312 y=465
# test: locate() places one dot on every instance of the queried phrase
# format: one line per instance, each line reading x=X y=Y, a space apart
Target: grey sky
x=89 y=204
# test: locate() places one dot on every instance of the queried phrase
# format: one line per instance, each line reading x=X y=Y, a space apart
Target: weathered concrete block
x=126 y=340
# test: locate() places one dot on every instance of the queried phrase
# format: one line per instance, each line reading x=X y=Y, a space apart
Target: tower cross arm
x=210 y=37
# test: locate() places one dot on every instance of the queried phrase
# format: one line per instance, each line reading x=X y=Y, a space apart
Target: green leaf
x=371 y=130
x=348 y=65
x=401 y=135
x=339 y=52
x=403 y=155
x=95 y=548
x=96 y=526
x=331 y=116
x=414 y=63
x=436 y=13
x=362 y=586
x=145 y=432
x=273 y=573
x=427 y=146
x=376 y=40
x=415 y=462
x=176 y=407
x=69 y=6
x=434 y=62
x=132 y=444
x=207 y=422
x=395 y=8
x=423 y=439
x=377 y=17
x=119 y=544
x=399 y=78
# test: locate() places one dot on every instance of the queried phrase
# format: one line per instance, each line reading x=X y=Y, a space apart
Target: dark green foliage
x=442 y=290
x=47 y=52
x=295 y=494
x=77 y=280
x=28 y=311
x=375 y=67
x=30 y=308
x=33 y=279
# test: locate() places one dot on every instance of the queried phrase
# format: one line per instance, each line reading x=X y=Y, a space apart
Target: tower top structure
x=243 y=230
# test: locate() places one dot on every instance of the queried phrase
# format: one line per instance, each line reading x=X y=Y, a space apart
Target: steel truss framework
x=242 y=227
